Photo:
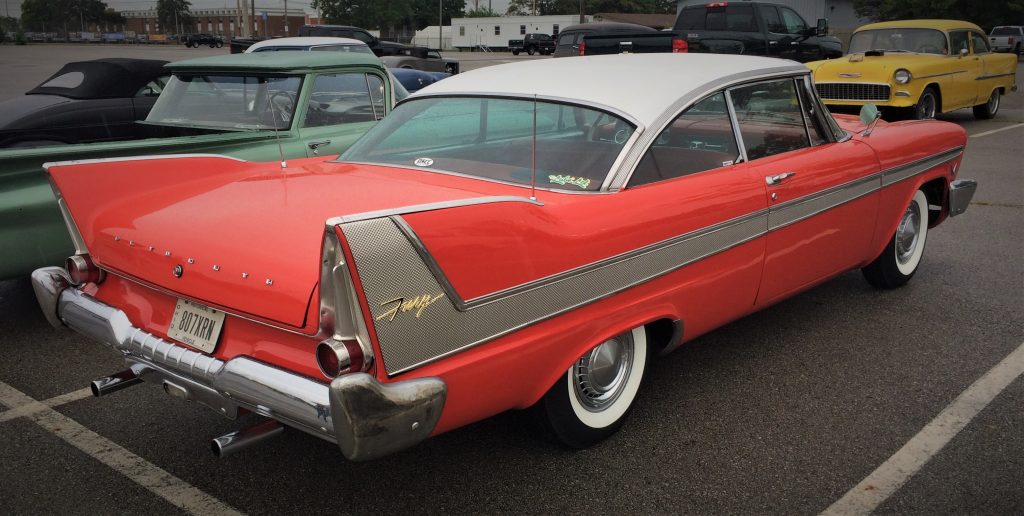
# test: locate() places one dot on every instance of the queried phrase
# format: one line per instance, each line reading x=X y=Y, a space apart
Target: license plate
x=196 y=325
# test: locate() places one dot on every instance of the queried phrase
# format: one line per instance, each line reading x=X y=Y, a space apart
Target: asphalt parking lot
x=822 y=401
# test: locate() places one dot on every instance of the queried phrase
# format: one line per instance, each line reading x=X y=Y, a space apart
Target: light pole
x=440 y=25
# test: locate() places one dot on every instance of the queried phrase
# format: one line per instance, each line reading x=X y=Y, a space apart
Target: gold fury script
x=400 y=304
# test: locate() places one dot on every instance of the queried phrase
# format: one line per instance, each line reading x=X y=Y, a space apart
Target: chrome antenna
x=533 y=154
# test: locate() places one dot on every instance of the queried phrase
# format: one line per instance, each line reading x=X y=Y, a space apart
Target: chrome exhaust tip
x=114 y=383
x=239 y=440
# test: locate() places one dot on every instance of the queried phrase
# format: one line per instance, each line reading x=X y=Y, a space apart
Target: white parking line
x=866 y=496
x=994 y=131
x=56 y=401
x=137 y=469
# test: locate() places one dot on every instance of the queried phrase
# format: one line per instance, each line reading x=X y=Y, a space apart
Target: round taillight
x=81 y=269
x=339 y=357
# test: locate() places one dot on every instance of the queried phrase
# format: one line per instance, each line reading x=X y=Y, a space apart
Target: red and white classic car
x=524 y=235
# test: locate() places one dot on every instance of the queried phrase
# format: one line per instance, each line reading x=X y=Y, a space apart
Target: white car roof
x=642 y=86
x=305 y=41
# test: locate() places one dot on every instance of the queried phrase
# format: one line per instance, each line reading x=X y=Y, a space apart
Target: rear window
x=732 y=17
x=1005 y=31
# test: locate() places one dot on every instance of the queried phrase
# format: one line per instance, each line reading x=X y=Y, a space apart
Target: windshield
x=921 y=41
x=493 y=138
x=227 y=102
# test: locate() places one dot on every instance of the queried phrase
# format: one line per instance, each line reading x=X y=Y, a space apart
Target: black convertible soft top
x=101 y=78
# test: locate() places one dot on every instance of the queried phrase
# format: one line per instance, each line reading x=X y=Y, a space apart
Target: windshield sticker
x=581 y=182
x=423 y=162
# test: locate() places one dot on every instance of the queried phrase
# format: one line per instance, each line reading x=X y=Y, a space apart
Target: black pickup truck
x=751 y=28
x=531 y=44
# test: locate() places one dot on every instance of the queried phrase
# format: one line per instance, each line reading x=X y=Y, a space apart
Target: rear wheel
x=515 y=52
x=593 y=398
x=901 y=257
x=927 y=105
x=989 y=109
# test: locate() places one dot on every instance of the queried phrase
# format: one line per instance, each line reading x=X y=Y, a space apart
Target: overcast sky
x=14 y=6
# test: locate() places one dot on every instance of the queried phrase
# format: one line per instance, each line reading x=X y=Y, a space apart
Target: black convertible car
x=86 y=101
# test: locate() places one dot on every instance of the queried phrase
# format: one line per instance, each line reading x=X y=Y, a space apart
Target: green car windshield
x=921 y=41
x=227 y=102
x=573 y=147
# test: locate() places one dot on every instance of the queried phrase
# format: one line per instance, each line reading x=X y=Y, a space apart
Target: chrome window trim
x=735 y=121
x=415 y=208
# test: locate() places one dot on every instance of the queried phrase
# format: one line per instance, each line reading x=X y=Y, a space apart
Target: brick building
x=224 y=21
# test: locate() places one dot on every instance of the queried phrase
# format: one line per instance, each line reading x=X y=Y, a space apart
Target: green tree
x=173 y=15
x=61 y=15
x=366 y=14
x=986 y=13
x=548 y=7
x=482 y=12
x=425 y=12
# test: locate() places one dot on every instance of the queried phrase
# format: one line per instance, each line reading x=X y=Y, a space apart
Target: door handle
x=778 y=178
x=315 y=146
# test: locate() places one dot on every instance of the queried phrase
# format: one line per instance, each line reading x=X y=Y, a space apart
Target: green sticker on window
x=581 y=182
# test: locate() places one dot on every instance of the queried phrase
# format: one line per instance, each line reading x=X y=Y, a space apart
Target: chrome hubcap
x=600 y=376
x=927 y=108
x=993 y=102
x=907 y=234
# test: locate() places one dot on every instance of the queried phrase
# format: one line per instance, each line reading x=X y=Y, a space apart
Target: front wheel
x=593 y=398
x=515 y=52
x=989 y=109
x=927 y=105
x=531 y=51
x=899 y=261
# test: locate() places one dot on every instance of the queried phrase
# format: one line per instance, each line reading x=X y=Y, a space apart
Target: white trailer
x=494 y=33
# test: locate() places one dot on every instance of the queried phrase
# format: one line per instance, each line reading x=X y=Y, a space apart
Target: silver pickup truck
x=1006 y=38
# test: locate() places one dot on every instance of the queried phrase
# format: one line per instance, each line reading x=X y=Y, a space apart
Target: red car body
x=472 y=282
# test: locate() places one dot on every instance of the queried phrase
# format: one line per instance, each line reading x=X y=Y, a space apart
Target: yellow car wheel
x=927 y=106
x=988 y=109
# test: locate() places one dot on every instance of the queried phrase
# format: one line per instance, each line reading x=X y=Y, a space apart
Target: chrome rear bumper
x=367 y=419
x=961 y=192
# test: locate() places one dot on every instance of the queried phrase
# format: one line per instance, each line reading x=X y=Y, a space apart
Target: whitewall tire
x=902 y=256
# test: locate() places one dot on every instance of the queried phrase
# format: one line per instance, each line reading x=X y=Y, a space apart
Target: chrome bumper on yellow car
x=367 y=419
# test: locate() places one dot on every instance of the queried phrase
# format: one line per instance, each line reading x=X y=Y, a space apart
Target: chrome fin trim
x=415 y=208
x=413 y=337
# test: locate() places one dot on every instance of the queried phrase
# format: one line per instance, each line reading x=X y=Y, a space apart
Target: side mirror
x=822 y=28
x=964 y=52
x=869 y=116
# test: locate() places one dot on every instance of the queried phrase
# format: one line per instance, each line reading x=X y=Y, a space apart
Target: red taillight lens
x=339 y=357
x=82 y=270
x=1010 y=40
x=679 y=46
x=583 y=48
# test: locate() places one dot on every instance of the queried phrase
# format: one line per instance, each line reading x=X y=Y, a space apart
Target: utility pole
x=81 y=17
x=440 y=25
x=252 y=6
x=582 y=19
x=286 y=18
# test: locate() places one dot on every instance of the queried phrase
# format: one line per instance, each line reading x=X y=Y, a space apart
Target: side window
x=554 y=30
x=810 y=111
x=769 y=117
x=362 y=36
x=462 y=30
x=376 y=85
x=340 y=99
x=979 y=43
x=497 y=30
x=772 y=19
x=153 y=88
x=958 y=42
x=699 y=139
x=565 y=39
x=522 y=29
x=794 y=23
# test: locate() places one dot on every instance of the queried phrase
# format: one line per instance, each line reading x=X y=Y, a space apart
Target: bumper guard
x=961 y=192
x=367 y=419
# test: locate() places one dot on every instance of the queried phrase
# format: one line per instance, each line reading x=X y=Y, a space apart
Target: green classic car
x=257 y=107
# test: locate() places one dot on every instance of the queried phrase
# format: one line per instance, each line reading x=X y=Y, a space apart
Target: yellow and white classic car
x=923 y=67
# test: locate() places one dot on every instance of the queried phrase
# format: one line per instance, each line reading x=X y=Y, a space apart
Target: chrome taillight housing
x=347 y=348
x=82 y=270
